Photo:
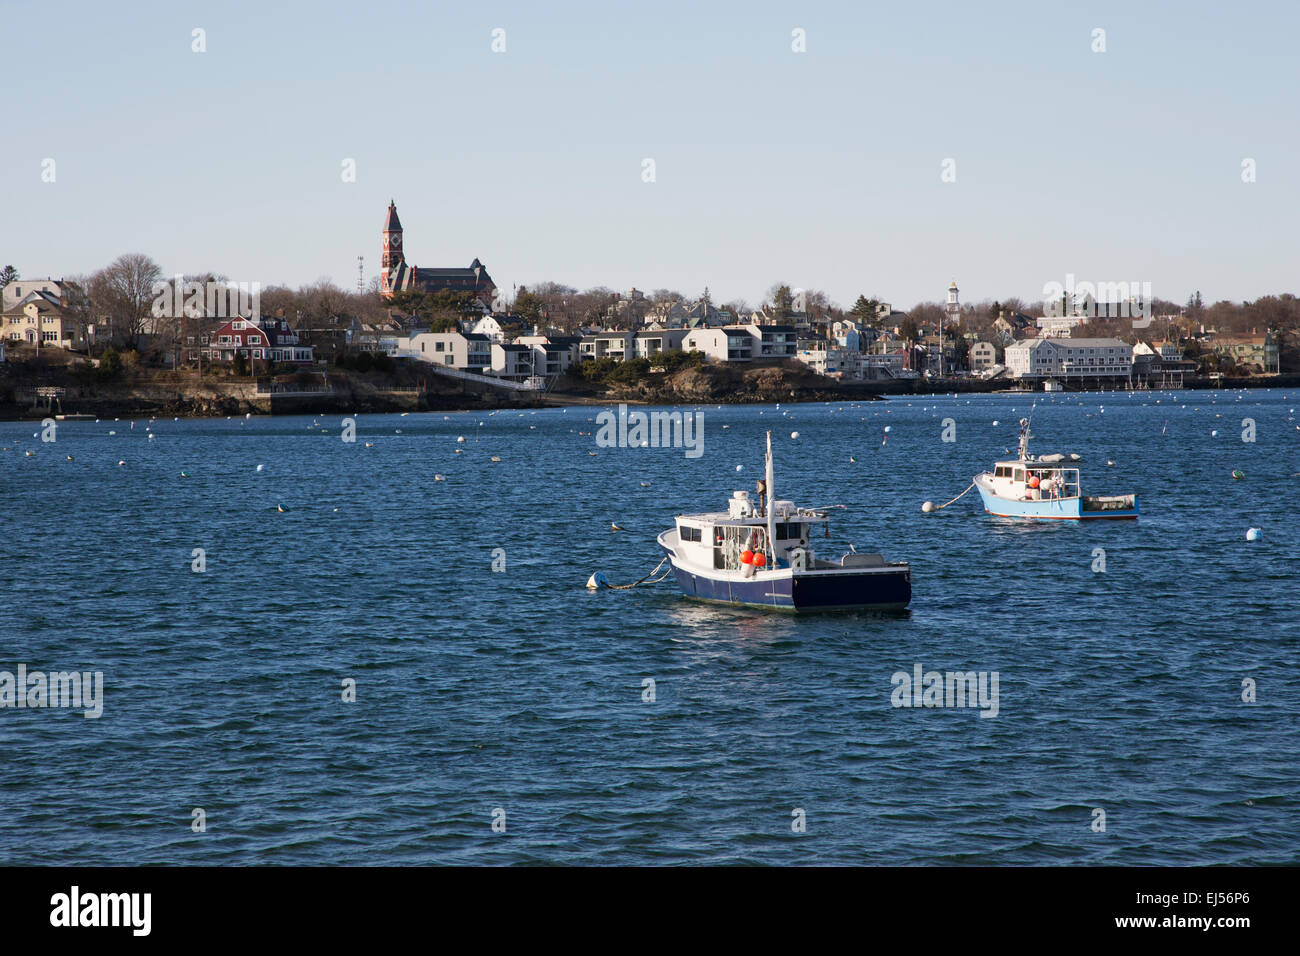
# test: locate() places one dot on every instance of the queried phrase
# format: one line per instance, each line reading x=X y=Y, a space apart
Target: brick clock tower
x=392 y=256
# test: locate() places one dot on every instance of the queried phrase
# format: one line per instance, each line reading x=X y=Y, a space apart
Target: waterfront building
x=651 y=342
x=617 y=345
x=1069 y=358
x=731 y=344
x=35 y=314
x=1252 y=352
x=511 y=360
x=463 y=351
x=983 y=356
x=270 y=340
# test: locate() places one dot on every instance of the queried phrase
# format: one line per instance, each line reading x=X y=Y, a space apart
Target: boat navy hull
x=883 y=589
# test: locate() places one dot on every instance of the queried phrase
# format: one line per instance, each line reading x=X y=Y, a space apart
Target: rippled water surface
x=518 y=689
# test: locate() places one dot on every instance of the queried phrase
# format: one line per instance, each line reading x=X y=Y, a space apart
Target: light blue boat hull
x=1061 y=509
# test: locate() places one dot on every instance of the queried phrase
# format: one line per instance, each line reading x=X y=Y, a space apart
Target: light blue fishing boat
x=1030 y=487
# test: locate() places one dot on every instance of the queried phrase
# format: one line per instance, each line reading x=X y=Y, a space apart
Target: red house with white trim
x=270 y=340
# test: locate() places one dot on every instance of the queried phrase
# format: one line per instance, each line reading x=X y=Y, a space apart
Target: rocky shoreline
x=171 y=395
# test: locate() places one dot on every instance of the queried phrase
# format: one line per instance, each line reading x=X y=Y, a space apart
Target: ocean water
x=515 y=695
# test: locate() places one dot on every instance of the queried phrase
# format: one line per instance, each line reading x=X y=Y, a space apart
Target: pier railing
x=483 y=379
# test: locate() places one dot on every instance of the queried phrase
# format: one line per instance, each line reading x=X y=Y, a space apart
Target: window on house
x=438 y=346
x=447 y=360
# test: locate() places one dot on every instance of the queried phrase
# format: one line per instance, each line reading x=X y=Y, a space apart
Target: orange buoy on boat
x=759 y=560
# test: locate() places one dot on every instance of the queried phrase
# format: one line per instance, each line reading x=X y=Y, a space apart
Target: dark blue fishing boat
x=758 y=553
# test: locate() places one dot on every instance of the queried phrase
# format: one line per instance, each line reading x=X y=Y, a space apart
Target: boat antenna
x=1024 y=432
x=771 y=498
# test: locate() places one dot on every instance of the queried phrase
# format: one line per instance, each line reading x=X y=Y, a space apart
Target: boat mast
x=771 y=519
x=1024 y=433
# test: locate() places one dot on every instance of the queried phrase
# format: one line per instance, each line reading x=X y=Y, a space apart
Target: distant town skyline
x=878 y=152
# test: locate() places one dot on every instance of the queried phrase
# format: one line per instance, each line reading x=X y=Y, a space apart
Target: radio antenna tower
x=361 y=275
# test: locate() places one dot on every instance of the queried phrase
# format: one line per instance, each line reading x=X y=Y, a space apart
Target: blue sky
x=820 y=169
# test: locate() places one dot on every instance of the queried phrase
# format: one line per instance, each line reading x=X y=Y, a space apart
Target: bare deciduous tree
x=123 y=293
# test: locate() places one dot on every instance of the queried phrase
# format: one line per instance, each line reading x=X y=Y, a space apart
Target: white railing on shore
x=530 y=386
x=285 y=388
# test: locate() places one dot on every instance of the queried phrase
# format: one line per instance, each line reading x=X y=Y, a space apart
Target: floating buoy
x=69 y=458
x=645 y=484
x=260 y=467
x=995 y=423
x=439 y=478
x=794 y=435
x=185 y=474
x=121 y=463
x=1254 y=534
x=597 y=581
x=1109 y=463
x=282 y=509
x=494 y=458
x=927 y=506
x=888 y=429
x=740 y=468
x=1238 y=473
x=1214 y=434
x=613 y=526
x=461 y=438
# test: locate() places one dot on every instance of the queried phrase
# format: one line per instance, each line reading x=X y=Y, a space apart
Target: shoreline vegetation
x=127 y=390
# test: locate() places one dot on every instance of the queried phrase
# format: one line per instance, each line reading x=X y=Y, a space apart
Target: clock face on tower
x=397 y=242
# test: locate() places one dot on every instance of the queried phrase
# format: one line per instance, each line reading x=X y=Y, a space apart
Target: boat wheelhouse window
x=792 y=531
x=690 y=534
x=999 y=472
x=1020 y=474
